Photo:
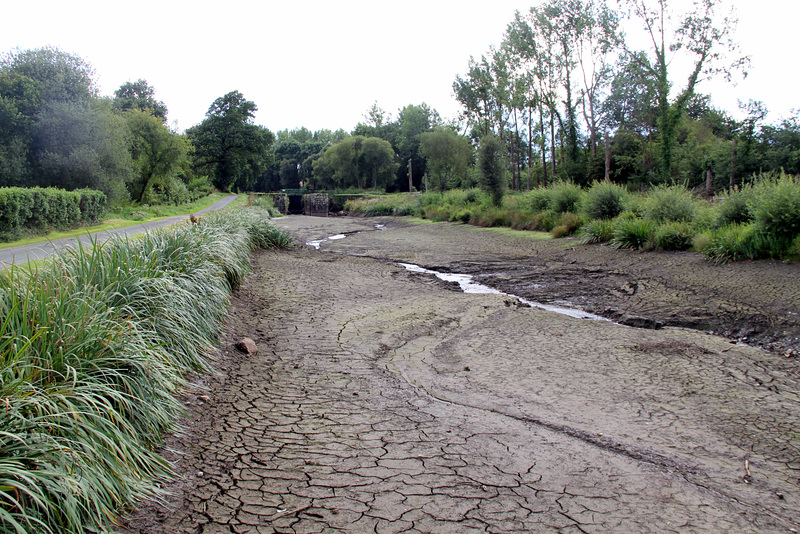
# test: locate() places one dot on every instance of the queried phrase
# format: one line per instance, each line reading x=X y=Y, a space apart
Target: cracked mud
x=382 y=400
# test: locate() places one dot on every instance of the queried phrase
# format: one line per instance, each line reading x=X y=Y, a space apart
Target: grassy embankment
x=758 y=220
x=95 y=347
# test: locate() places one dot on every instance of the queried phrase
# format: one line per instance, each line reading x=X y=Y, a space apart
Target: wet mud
x=384 y=400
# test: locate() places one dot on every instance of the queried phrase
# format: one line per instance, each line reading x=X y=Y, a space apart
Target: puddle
x=468 y=285
x=316 y=244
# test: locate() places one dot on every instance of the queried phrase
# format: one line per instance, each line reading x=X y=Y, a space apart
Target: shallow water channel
x=468 y=285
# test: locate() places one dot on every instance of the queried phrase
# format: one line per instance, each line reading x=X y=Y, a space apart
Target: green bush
x=776 y=207
x=604 y=200
x=733 y=242
x=565 y=197
x=633 y=233
x=734 y=207
x=597 y=231
x=673 y=236
x=36 y=209
x=536 y=200
x=670 y=203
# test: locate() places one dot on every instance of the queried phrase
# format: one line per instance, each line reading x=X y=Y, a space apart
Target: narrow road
x=382 y=400
x=39 y=251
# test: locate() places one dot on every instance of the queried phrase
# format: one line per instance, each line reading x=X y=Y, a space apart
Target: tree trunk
x=608 y=159
x=552 y=144
x=733 y=166
x=709 y=183
x=530 y=145
x=544 y=147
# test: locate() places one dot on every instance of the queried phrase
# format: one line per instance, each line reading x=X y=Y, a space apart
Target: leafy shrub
x=670 y=203
x=462 y=215
x=536 y=200
x=604 y=200
x=37 y=208
x=776 y=207
x=673 y=236
x=565 y=197
x=597 y=231
x=734 y=207
x=633 y=233
x=733 y=242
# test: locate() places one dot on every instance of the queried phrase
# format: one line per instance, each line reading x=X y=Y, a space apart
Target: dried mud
x=383 y=400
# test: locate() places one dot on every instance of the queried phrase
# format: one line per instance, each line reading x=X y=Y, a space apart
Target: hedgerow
x=38 y=208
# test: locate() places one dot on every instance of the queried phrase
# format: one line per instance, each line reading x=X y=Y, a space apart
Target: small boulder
x=247 y=345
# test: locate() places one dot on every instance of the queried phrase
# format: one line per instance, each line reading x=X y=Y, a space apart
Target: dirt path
x=385 y=401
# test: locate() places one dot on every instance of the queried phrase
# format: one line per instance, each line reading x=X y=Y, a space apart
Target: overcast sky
x=322 y=63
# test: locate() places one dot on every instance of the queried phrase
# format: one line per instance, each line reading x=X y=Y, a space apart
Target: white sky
x=322 y=63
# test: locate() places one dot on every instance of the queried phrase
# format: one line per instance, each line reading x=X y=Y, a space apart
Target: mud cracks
x=382 y=401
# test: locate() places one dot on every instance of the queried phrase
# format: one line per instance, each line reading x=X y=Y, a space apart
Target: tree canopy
x=228 y=146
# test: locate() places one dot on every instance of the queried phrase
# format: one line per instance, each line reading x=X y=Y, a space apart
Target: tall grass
x=93 y=353
x=759 y=220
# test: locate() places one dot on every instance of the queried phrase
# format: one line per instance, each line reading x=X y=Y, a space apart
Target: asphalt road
x=39 y=251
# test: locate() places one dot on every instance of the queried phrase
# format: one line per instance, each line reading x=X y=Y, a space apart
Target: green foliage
x=565 y=197
x=36 y=208
x=228 y=146
x=604 y=200
x=448 y=156
x=94 y=352
x=673 y=236
x=536 y=200
x=733 y=242
x=597 y=231
x=356 y=161
x=139 y=96
x=776 y=206
x=670 y=203
x=157 y=155
x=633 y=233
x=734 y=207
x=490 y=163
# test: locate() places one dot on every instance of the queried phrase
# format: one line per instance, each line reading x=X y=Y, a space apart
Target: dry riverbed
x=384 y=400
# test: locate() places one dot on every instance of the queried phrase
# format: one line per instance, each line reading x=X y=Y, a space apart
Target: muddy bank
x=383 y=400
x=753 y=302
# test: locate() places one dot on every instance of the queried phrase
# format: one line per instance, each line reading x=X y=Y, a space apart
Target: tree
x=140 y=96
x=54 y=131
x=156 y=152
x=703 y=36
x=448 y=156
x=414 y=120
x=60 y=76
x=228 y=146
x=492 y=168
x=19 y=102
x=377 y=161
x=81 y=144
x=356 y=162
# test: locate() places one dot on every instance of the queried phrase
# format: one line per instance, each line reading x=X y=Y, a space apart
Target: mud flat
x=385 y=400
